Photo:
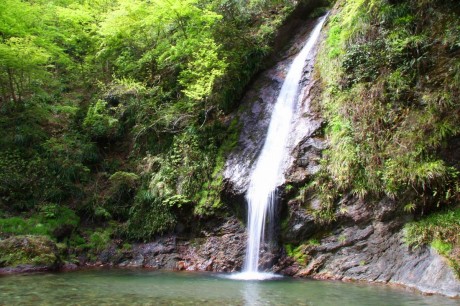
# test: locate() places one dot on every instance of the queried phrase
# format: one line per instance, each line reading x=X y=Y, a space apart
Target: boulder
x=366 y=243
x=28 y=254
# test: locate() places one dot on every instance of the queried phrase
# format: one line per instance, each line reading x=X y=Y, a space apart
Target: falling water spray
x=269 y=168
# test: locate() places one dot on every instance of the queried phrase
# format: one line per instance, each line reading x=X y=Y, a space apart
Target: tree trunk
x=11 y=84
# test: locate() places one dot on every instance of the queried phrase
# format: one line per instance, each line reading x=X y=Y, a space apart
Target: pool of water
x=140 y=287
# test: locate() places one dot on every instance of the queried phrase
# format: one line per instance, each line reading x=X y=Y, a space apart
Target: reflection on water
x=251 y=293
x=140 y=287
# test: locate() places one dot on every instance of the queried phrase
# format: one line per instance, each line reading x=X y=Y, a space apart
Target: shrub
x=22 y=180
x=120 y=195
x=55 y=221
x=99 y=240
x=99 y=122
x=148 y=217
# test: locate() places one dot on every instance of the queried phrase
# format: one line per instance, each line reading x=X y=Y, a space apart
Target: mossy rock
x=29 y=250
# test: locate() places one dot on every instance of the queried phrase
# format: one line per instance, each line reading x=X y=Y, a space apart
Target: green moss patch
x=441 y=231
x=51 y=220
x=28 y=250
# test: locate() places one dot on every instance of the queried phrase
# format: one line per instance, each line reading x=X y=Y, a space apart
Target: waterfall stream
x=270 y=166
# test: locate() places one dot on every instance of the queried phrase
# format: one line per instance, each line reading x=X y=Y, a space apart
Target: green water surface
x=141 y=287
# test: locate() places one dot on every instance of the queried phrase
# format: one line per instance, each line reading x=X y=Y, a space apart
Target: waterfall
x=270 y=166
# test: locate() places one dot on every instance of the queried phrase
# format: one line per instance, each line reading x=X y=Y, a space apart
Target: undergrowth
x=51 y=220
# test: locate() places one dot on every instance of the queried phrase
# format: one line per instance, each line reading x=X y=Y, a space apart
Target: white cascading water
x=269 y=168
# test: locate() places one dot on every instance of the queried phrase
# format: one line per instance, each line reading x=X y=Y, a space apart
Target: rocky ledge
x=364 y=244
x=219 y=248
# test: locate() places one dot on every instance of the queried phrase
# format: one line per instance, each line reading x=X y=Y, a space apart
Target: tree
x=23 y=57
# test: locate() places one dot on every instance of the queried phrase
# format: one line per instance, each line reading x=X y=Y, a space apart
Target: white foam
x=253 y=276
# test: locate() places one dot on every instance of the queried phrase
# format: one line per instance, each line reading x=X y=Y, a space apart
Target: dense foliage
x=113 y=114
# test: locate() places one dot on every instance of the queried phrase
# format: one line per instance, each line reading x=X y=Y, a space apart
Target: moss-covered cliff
x=390 y=73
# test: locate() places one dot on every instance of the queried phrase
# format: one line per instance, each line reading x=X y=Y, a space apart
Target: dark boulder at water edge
x=21 y=254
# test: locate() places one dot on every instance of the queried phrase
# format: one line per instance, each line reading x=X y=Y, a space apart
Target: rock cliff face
x=255 y=113
x=219 y=248
x=365 y=243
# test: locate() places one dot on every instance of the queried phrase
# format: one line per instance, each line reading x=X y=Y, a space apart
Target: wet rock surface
x=254 y=119
x=255 y=114
x=366 y=243
x=300 y=225
x=219 y=249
